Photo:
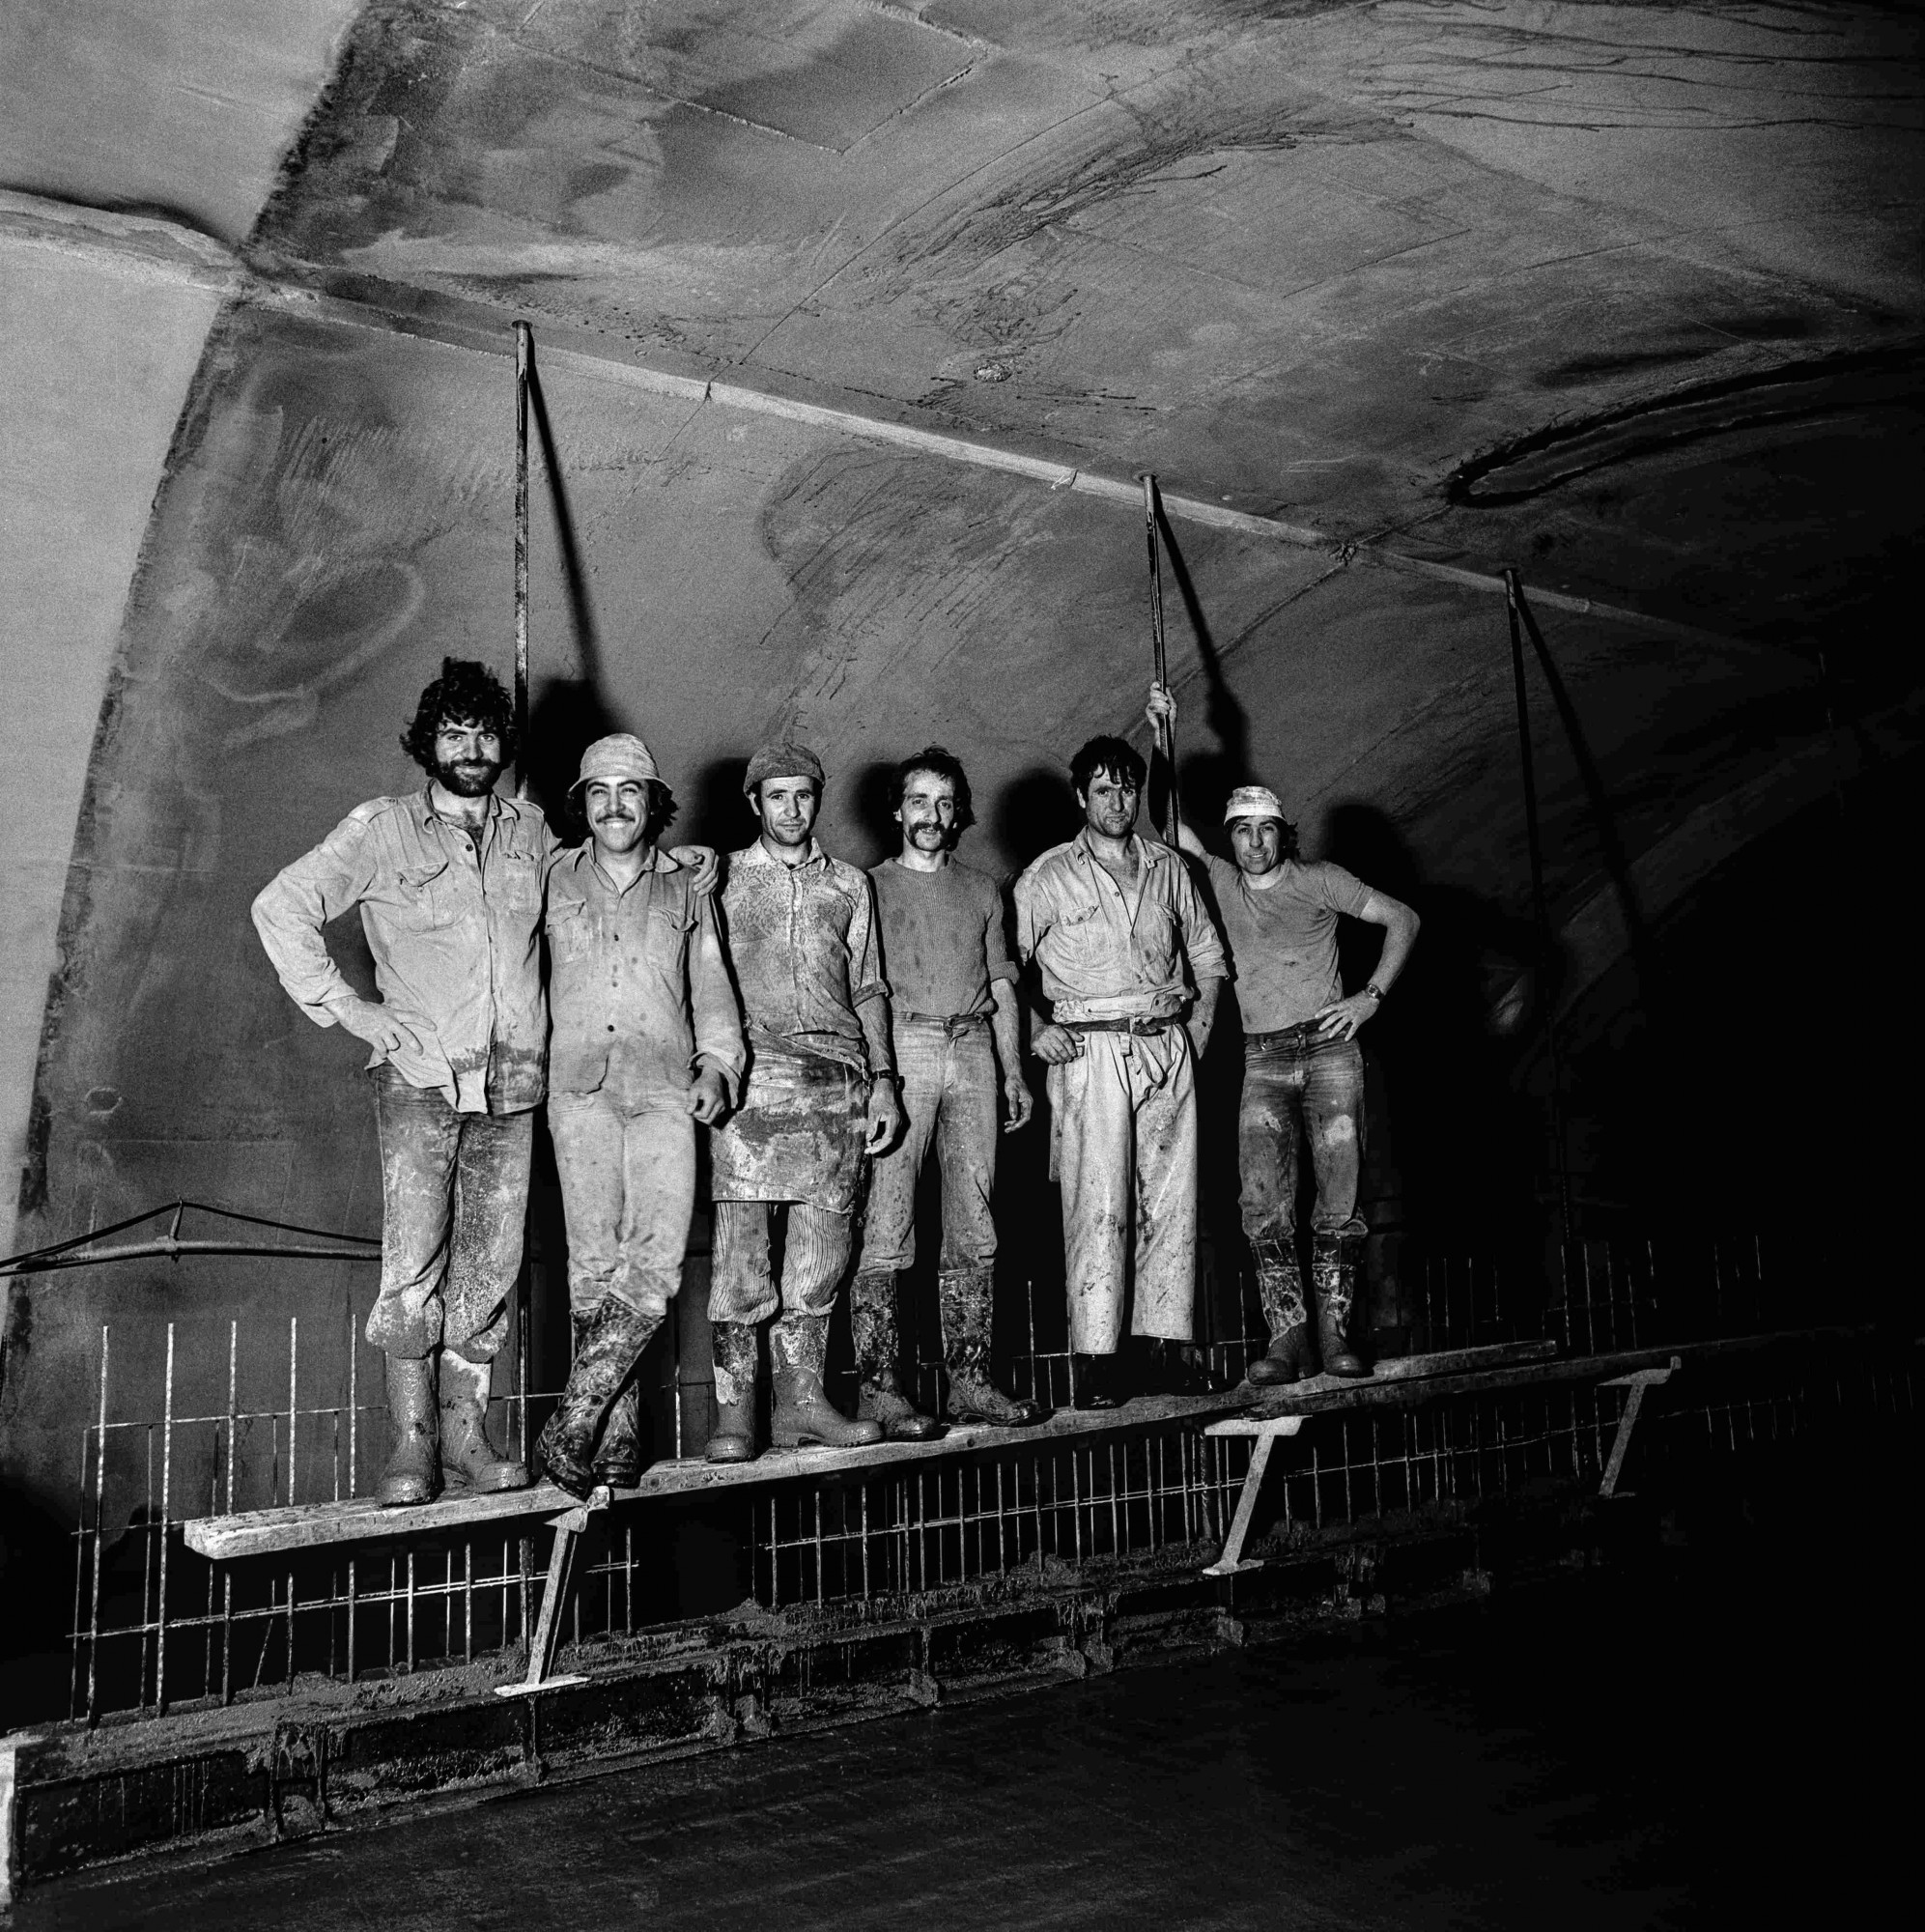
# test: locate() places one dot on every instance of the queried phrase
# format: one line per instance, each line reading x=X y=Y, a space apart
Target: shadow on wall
x=1034 y=811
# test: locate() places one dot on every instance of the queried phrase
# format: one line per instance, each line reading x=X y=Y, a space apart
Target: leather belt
x=1290 y=1036
x=949 y=1022
x=1138 y=1026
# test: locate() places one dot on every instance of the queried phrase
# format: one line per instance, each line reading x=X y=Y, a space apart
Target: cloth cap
x=1253 y=802
x=781 y=760
x=619 y=755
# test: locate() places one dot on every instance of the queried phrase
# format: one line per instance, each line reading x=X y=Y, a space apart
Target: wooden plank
x=315 y=1525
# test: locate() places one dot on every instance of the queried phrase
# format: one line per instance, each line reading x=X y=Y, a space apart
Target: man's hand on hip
x=1019 y=1102
x=708 y=1096
x=1341 y=1019
x=885 y=1114
x=1054 y=1045
x=375 y=1024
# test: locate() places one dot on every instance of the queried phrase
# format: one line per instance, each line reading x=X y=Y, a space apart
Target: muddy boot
x=1292 y=1354
x=612 y=1344
x=468 y=1460
x=1092 y=1382
x=965 y=1295
x=1333 y=1270
x=414 y=1472
x=737 y=1370
x=803 y=1415
x=878 y=1350
x=618 y=1454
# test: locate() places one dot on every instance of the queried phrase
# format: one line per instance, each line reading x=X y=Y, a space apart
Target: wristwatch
x=1374 y=991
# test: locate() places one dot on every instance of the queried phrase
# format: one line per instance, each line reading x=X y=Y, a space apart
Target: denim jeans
x=454 y=1201
x=950 y=1091
x=1295 y=1086
x=628 y=1187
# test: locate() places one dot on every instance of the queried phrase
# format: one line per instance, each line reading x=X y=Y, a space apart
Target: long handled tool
x=1166 y=732
x=523 y=344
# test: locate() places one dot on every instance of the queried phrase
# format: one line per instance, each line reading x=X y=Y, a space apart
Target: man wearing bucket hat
x=1303 y=1071
x=646 y=1042
x=801 y=932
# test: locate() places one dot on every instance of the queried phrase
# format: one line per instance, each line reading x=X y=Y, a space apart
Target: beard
x=470 y=780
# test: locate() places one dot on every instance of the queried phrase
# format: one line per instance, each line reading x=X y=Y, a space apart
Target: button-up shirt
x=455 y=934
x=637 y=987
x=802 y=939
x=1107 y=954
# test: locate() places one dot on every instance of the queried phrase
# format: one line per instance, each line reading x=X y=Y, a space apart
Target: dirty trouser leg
x=966 y=1131
x=1166 y=1182
x=1267 y=1123
x=889 y=1221
x=419 y=1135
x=588 y=1135
x=815 y=1255
x=491 y=1228
x=741 y=1286
x=1333 y=1108
x=1095 y=1122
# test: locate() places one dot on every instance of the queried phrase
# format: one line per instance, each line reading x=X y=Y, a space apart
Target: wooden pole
x=1166 y=732
x=523 y=347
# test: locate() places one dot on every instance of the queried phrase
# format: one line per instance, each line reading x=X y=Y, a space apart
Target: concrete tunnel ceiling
x=1627 y=295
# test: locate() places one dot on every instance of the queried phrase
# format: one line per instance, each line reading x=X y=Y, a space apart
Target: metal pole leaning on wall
x=523 y=347
x=1512 y=602
x=1166 y=732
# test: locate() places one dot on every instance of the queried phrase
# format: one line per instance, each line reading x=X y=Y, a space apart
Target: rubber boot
x=966 y=1297
x=618 y=1454
x=1292 y=1354
x=1092 y=1382
x=1333 y=1269
x=803 y=1415
x=615 y=1337
x=468 y=1460
x=413 y=1473
x=737 y=1371
x=878 y=1350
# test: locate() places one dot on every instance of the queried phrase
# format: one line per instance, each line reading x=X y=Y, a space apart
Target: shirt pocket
x=1081 y=931
x=424 y=897
x=669 y=930
x=520 y=881
x=570 y=931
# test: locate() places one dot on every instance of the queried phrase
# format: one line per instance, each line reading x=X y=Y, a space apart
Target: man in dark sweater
x=1303 y=1072
x=952 y=987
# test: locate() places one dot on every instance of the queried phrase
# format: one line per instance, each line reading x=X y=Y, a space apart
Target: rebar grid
x=156 y=1626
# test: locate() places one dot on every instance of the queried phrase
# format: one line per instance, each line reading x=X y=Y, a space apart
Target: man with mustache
x=448 y=880
x=1122 y=947
x=820 y=1095
x=647 y=1042
x=952 y=994
x=1303 y=1071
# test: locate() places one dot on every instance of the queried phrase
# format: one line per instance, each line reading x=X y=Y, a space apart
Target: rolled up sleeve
x=996 y=941
x=300 y=899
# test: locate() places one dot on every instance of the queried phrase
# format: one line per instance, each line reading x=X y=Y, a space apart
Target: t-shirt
x=942 y=939
x=1282 y=942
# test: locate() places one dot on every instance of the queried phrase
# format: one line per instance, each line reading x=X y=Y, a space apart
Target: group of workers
x=829 y=1027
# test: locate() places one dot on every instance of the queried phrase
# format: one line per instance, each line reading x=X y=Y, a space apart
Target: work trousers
x=815 y=1252
x=1125 y=1153
x=628 y=1188
x=949 y=1089
x=454 y=1201
x=1296 y=1087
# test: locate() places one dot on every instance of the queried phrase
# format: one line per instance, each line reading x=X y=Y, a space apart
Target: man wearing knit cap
x=1303 y=1071
x=801 y=932
x=646 y=1042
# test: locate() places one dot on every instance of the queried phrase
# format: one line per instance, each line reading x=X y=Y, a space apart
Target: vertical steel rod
x=1166 y=732
x=166 y=1499
x=524 y=343
x=1512 y=594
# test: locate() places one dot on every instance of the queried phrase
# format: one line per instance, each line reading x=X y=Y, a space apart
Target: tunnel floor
x=1676 y=1752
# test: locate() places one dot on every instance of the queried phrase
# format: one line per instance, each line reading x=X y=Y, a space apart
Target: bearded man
x=448 y=881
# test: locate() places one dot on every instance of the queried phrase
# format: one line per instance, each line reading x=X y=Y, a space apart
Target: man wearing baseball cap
x=1303 y=1071
x=801 y=930
x=646 y=1042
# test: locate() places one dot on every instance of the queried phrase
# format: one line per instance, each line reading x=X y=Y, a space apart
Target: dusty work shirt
x=453 y=925
x=803 y=942
x=637 y=987
x=1283 y=940
x=942 y=940
x=1107 y=955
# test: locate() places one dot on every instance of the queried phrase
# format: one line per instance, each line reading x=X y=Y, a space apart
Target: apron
x=797 y=1136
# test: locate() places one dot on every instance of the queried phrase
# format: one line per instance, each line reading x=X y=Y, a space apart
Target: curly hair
x=941 y=764
x=1116 y=759
x=467 y=693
